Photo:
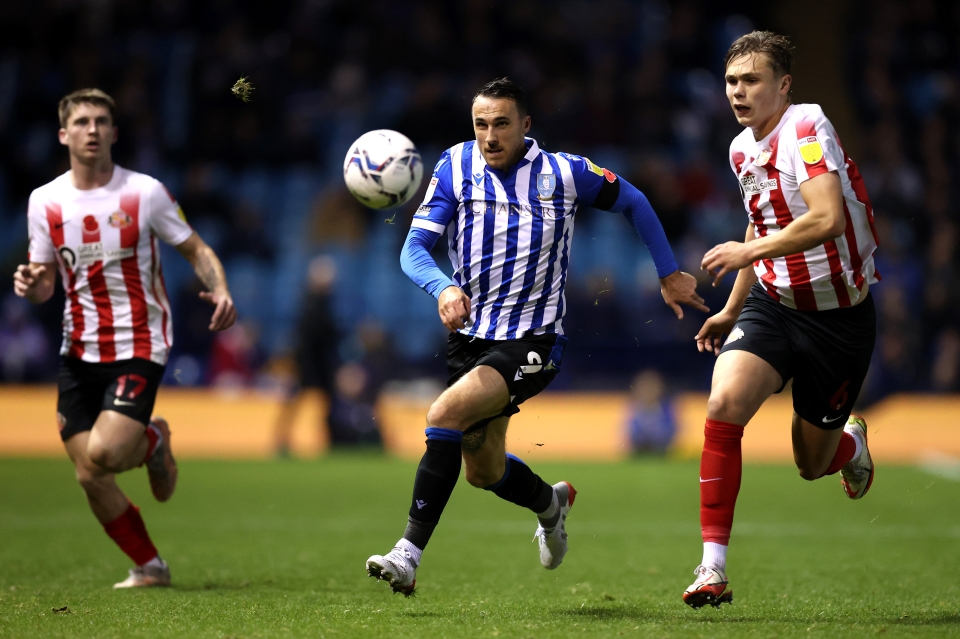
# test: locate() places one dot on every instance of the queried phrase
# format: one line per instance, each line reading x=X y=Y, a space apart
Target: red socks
x=129 y=532
x=845 y=452
x=721 y=467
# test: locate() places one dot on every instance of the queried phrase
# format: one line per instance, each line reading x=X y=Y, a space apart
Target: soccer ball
x=383 y=169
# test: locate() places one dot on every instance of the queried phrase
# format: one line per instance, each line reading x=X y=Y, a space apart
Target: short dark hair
x=777 y=48
x=504 y=88
x=85 y=96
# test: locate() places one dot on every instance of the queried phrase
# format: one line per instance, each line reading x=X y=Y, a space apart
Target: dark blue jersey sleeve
x=429 y=222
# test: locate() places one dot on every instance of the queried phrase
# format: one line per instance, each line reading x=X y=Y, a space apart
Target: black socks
x=523 y=487
x=437 y=474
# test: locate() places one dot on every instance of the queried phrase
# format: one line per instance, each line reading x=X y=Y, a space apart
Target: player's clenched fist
x=29 y=280
x=454 y=307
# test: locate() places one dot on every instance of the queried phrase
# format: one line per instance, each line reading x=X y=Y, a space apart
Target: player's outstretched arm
x=710 y=336
x=676 y=286
x=823 y=221
x=208 y=268
x=35 y=281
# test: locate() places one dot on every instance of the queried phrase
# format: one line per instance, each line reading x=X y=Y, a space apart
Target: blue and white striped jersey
x=510 y=233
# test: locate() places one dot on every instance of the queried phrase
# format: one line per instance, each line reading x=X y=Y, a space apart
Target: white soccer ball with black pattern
x=383 y=169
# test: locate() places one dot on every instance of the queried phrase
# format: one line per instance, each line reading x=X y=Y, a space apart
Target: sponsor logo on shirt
x=120 y=220
x=423 y=211
x=68 y=256
x=810 y=149
x=491 y=207
x=751 y=186
x=92 y=252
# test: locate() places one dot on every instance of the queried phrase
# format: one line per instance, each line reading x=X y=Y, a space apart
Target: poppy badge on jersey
x=546 y=185
x=810 y=149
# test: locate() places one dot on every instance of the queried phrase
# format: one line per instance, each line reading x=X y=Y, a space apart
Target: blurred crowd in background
x=636 y=86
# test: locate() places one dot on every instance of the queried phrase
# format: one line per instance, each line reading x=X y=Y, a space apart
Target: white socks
x=859 y=448
x=415 y=552
x=715 y=556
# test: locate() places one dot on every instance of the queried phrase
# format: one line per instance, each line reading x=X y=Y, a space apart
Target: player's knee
x=104 y=457
x=722 y=407
x=441 y=415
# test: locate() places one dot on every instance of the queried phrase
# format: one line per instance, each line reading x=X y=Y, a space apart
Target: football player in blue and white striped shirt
x=508 y=209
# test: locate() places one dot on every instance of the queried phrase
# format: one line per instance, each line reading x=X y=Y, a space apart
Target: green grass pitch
x=276 y=549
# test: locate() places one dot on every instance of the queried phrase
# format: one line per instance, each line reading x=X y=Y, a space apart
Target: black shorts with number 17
x=826 y=353
x=126 y=386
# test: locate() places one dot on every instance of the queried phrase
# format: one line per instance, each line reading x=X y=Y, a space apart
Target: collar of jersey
x=765 y=141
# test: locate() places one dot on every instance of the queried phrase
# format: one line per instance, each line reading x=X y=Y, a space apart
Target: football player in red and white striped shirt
x=98 y=225
x=801 y=305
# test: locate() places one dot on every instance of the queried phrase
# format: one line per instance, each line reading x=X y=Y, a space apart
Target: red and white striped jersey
x=805 y=145
x=105 y=243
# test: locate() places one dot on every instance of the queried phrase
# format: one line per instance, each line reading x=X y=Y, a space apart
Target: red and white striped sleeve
x=166 y=217
x=41 y=249
x=817 y=149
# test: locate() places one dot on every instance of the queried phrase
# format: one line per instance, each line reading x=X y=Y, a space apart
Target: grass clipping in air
x=242 y=89
x=277 y=549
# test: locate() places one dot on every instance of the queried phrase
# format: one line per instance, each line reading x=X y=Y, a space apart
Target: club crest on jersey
x=752 y=186
x=546 y=185
x=763 y=158
x=810 y=149
x=120 y=219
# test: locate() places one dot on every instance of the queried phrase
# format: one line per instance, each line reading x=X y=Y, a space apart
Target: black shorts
x=526 y=364
x=827 y=353
x=128 y=386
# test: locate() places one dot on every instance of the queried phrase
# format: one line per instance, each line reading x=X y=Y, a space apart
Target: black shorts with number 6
x=526 y=364
x=827 y=353
x=127 y=386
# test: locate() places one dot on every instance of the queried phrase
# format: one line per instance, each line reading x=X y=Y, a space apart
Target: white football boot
x=710 y=587
x=553 y=541
x=857 y=474
x=397 y=568
x=147 y=576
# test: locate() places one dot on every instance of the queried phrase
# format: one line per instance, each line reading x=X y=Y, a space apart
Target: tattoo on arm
x=209 y=269
x=473 y=440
